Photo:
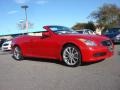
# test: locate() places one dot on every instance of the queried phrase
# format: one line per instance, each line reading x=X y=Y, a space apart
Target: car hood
x=96 y=38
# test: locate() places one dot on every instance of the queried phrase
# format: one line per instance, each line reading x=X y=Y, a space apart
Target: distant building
x=10 y=36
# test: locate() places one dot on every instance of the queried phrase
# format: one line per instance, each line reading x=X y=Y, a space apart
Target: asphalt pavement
x=39 y=74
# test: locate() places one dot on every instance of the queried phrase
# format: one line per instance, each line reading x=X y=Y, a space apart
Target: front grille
x=106 y=43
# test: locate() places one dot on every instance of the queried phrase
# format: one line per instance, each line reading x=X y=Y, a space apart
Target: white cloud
x=41 y=2
x=12 y=12
x=21 y=1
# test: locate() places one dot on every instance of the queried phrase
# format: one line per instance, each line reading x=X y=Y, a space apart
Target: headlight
x=88 y=42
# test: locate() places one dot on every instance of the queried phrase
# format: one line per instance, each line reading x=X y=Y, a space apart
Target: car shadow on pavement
x=90 y=63
x=45 y=60
x=58 y=61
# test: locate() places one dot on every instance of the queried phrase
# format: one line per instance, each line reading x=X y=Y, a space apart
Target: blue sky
x=46 y=12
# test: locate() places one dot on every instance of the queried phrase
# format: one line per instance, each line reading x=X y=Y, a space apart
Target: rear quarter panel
x=21 y=42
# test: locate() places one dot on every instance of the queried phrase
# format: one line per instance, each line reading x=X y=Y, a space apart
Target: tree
x=22 y=25
x=108 y=15
x=89 y=25
x=78 y=26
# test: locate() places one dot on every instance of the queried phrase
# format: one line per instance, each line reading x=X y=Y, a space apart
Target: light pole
x=25 y=7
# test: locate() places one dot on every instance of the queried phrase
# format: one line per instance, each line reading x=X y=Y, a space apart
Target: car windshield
x=62 y=30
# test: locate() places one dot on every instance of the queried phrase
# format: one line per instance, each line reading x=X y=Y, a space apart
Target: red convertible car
x=64 y=44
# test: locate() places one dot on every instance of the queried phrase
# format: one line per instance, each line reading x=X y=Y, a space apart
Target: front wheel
x=17 y=54
x=71 y=56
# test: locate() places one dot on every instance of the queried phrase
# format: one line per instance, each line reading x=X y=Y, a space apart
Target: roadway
x=37 y=74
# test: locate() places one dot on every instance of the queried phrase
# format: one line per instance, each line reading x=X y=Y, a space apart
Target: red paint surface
x=51 y=46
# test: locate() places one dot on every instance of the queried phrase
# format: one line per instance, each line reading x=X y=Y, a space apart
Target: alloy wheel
x=17 y=53
x=71 y=56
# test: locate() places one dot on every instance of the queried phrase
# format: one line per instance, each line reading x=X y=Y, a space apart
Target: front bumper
x=5 y=48
x=93 y=54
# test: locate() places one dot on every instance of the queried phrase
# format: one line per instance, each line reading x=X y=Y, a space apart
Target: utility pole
x=26 y=19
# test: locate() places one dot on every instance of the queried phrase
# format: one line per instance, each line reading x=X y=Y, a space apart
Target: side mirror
x=45 y=34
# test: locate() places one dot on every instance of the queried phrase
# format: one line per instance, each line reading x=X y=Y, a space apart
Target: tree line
x=106 y=16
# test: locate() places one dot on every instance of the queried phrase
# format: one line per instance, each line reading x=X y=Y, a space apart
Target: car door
x=44 y=47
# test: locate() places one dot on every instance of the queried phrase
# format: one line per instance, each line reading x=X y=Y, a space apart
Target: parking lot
x=37 y=74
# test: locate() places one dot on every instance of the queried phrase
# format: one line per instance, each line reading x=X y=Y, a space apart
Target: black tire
x=17 y=53
x=71 y=56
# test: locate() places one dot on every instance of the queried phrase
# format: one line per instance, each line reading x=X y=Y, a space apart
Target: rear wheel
x=17 y=54
x=71 y=56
